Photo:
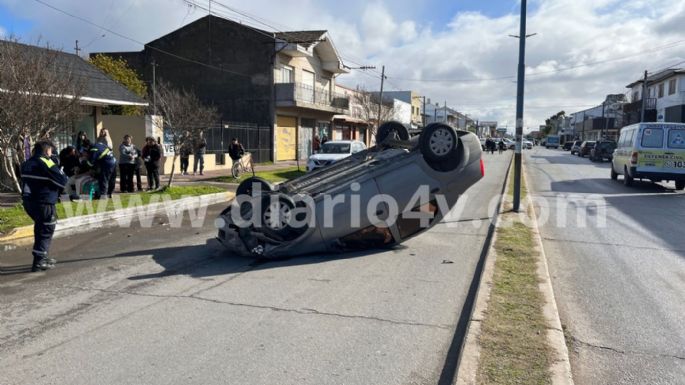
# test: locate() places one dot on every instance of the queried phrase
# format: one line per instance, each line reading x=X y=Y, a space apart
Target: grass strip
x=13 y=217
x=273 y=176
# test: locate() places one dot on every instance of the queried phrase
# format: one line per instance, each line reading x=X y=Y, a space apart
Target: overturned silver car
x=373 y=199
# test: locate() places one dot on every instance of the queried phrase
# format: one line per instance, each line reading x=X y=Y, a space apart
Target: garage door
x=286 y=138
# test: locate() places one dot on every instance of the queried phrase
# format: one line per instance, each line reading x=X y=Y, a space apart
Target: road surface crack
x=303 y=311
x=625 y=352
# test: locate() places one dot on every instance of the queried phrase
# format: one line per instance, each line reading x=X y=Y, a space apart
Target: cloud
x=570 y=62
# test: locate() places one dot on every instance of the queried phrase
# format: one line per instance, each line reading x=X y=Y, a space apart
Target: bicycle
x=242 y=165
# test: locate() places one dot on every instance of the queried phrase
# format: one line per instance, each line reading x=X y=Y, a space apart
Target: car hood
x=328 y=156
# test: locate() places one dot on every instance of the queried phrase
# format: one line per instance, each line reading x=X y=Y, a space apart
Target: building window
x=287 y=74
x=661 y=90
x=671 y=86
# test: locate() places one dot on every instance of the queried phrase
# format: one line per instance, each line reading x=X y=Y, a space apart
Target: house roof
x=99 y=88
x=659 y=76
x=303 y=38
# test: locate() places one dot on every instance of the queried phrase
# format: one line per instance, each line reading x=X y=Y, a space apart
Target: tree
x=184 y=117
x=365 y=107
x=39 y=92
x=119 y=70
x=553 y=122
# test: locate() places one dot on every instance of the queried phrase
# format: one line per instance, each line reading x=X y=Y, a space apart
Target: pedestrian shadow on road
x=212 y=259
x=611 y=187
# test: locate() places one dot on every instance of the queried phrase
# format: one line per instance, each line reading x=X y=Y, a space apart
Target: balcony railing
x=298 y=92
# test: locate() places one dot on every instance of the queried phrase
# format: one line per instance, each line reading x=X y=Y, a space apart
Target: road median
x=515 y=335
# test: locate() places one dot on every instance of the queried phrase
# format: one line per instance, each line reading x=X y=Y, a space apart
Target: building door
x=286 y=137
x=305 y=136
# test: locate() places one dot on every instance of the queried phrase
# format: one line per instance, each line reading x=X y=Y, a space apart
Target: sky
x=457 y=51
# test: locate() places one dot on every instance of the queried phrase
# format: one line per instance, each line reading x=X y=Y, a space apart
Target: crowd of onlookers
x=88 y=162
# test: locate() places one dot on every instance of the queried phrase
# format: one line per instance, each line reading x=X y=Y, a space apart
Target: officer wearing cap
x=42 y=180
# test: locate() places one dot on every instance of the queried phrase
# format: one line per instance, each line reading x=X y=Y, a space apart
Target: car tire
x=278 y=224
x=680 y=185
x=627 y=179
x=614 y=175
x=392 y=129
x=440 y=147
x=246 y=187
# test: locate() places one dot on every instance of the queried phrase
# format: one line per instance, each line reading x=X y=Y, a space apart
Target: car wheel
x=247 y=186
x=393 y=130
x=680 y=185
x=439 y=146
x=627 y=179
x=277 y=216
x=614 y=175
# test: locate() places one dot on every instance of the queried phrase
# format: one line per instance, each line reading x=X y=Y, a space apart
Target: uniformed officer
x=102 y=158
x=42 y=180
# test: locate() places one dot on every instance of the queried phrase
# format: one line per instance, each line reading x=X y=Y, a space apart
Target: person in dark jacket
x=41 y=181
x=152 y=154
x=199 y=151
x=102 y=159
x=137 y=167
x=127 y=163
x=236 y=150
x=184 y=152
x=69 y=160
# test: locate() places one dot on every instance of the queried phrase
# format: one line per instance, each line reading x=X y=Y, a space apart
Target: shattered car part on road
x=375 y=198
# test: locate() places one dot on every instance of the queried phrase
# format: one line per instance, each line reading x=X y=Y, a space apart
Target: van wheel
x=680 y=185
x=614 y=175
x=627 y=179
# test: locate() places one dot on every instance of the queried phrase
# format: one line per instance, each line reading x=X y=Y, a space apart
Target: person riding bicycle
x=236 y=150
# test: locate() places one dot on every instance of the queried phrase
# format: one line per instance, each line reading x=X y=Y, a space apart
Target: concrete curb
x=83 y=223
x=561 y=367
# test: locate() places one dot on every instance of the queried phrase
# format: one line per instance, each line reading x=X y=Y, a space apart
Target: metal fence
x=256 y=139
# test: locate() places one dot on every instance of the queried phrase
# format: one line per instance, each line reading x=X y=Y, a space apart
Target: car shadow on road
x=212 y=259
x=570 y=159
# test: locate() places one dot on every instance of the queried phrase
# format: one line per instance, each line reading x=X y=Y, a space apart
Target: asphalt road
x=619 y=284
x=167 y=305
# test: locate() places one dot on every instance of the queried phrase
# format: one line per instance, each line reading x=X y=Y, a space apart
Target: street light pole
x=519 y=107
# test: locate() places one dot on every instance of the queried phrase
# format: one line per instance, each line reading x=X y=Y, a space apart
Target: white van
x=653 y=151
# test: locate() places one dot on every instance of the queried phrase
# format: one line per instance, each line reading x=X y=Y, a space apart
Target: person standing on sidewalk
x=127 y=163
x=102 y=158
x=152 y=154
x=184 y=152
x=41 y=180
x=136 y=169
x=104 y=138
x=200 y=148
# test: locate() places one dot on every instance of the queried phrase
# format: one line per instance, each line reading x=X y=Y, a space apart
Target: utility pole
x=154 y=87
x=644 y=98
x=519 y=106
x=380 y=99
x=77 y=49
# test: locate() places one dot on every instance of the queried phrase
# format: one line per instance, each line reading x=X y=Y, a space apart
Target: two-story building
x=601 y=121
x=665 y=99
x=281 y=84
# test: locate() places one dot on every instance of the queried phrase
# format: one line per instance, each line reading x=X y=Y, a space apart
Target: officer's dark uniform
x=42 y=180
x=102 y=158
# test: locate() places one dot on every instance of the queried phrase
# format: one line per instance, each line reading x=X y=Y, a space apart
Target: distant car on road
x=585 y=148
x=654 y=151
x=317 y=213
x=567 y=145
x=575 y=147
x=527 y=144
x=332 y=151
x=509 y=144
x=603 y=149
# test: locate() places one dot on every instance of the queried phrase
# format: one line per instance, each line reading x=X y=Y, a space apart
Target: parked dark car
x=603 y=149
x=576 y=147
x=567 y=145
x=585 y=148
x=296 y=217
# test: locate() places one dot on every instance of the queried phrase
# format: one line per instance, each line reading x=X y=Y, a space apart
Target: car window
x=335 y=148
x=676 y=138
x=653 y=137
x=622 y=139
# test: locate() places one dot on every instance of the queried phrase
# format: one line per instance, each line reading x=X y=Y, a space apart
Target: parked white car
x=332 y=151
x=527 y=144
